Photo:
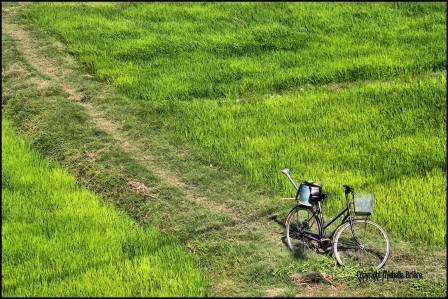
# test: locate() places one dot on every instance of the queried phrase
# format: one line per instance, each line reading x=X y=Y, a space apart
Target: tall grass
x=384 y=137
x=342 y=93
x=59 y=239
x=172 y=51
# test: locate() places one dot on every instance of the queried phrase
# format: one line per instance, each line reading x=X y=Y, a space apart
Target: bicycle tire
x=373 y=251
x=298 y=219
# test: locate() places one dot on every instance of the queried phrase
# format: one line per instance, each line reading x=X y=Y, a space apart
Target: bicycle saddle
x=317 y=197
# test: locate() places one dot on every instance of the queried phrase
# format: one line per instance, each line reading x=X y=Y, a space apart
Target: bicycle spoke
x=302 y=224
x=372 y=249
x=347 y=245
x=375 y=252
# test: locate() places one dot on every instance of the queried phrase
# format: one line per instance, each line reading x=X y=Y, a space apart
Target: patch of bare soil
x=310 y=278
x=313 y=281
x=140 y=188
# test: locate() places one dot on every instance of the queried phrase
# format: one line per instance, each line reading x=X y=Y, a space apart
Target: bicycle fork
x=350 y=217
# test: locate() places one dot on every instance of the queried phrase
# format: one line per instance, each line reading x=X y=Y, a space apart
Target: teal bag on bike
x=309 y=191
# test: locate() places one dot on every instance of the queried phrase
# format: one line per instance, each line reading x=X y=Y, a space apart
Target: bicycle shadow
x=299 y=255
x=275 y=218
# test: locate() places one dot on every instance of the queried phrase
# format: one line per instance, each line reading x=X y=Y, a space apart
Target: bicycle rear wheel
x=301 y=223
x=373 y=248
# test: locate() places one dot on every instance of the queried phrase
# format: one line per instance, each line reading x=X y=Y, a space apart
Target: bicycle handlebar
x=348 y=189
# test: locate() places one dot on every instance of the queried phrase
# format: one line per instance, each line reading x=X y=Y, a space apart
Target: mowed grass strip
x=60 y=239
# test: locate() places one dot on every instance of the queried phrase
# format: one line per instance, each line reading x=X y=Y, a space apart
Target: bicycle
x=355 y=241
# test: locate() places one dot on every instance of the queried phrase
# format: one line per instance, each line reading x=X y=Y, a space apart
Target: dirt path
x=59 y=77
x=241 y=227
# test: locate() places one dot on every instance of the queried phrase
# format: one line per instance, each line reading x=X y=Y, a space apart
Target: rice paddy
x=60 y=239
x=342 y=93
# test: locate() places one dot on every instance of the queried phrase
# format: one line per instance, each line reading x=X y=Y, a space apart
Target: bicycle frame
x=348 y=215
x=320 y=216
x=346 y=211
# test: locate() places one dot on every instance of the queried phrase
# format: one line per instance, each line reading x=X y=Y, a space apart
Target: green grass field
x=342 y=93
x=182 y=115
x=183 y=51
x=59 y=239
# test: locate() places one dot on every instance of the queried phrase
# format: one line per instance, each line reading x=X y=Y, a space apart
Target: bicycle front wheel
x=368 y=246
x=302 y=225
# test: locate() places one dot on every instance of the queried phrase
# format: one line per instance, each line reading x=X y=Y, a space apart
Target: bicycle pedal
x=326 y=246
x=314 y=244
